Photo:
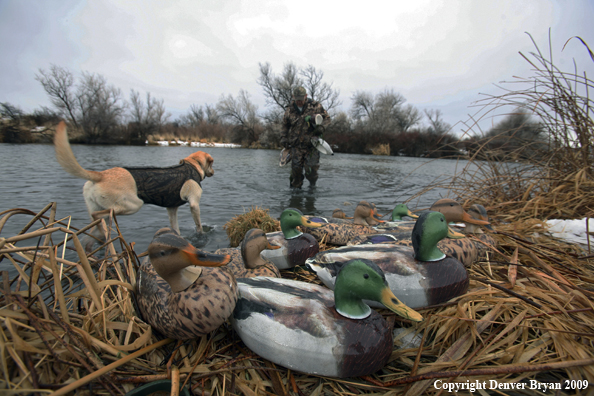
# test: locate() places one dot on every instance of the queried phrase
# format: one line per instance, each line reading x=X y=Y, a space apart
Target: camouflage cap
x=299 y=93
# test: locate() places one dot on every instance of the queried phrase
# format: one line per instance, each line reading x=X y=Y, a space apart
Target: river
x=31 y=178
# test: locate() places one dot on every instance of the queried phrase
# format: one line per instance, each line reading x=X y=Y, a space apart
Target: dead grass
x=239 y=225
x=381 y=149
x=61 y=335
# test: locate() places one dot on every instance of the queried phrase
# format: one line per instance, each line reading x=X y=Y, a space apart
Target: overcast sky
x=437 y=54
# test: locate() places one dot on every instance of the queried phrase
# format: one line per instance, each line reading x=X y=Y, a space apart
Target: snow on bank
x=573 y=231
x=195 y=144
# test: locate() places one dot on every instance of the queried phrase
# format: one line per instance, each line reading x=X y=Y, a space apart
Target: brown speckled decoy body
x=340 y=233
x=246 y=262
x=179 y=293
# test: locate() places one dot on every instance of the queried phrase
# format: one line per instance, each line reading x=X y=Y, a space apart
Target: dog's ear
x=208 y=169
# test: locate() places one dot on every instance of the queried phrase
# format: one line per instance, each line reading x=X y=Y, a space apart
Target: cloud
x=438 y=54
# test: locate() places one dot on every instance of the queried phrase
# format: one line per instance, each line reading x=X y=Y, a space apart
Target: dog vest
x=162 y=186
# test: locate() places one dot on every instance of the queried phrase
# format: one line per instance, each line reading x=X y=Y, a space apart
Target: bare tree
x=436 y=124
x=241 y=113
x=100 y=105
x=92 y=105
x=147 y=117
x=319 y=90
x=197 y=115
x=12 y=112
x=383 y=112
x=58 y=83
x=408 y=117
x=363 y=106
x=278 y=90
x=212 y=115
x=194 y=117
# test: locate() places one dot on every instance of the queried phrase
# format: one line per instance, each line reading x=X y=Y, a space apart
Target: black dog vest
x=162 y=186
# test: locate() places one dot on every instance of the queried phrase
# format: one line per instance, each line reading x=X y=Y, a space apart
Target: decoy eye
x=366 y=276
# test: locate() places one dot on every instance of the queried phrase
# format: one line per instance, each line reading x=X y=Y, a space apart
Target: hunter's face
x=300 y=102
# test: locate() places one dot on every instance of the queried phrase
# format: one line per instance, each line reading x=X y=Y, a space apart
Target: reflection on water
x=303 y=199
x=31 y=178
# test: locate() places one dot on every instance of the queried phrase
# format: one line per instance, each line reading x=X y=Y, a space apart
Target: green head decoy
x=430 y=228
x=400 y=211
x=361 y=279
x=292 y=218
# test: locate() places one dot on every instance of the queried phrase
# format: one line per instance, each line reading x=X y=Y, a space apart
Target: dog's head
x=203 y=162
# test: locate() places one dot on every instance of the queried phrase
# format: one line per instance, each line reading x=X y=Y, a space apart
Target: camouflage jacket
x=296 y=132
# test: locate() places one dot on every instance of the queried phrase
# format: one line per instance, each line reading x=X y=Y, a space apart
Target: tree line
x=101 y=114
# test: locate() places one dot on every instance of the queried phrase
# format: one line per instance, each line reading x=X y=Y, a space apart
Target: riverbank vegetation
x=381 y=122
x=527 y=319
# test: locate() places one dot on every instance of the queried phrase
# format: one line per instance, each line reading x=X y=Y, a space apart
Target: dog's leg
x=172 y=212
x=192 y=192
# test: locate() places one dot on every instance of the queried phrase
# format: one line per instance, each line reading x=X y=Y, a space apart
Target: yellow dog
x=125 y=190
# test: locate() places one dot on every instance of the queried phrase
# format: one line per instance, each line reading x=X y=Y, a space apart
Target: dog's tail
x=66 y=158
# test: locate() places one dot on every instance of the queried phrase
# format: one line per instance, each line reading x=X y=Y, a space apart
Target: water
x=31 y=178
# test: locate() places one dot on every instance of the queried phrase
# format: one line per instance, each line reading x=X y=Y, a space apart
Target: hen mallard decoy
x=477 y=211
x=309 y=328
x=419 y=276
x=339 y=232
x=179 y=293
x=465 y=250
x=339 y=214
x=246 y=261
x=295 y=246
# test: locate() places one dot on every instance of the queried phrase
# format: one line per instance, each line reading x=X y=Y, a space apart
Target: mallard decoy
x=339 y=232
x=295 y=246
x=339 y=214
x=465 y=250
x=308 y=328
x=246 y=261
x=179 y=293
x=419 y=276
x=477 y=211
x=398 y=224
x=400 y=211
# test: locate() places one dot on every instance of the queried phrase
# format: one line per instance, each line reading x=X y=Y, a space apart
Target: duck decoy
x=477 y=211
x=183 y=292
x=419 y=276
x=339 y=214
x=339 y=232
x=295 y=246
x=465 y=250
x=311 y=329
x=246 y=261
x=400 y=211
